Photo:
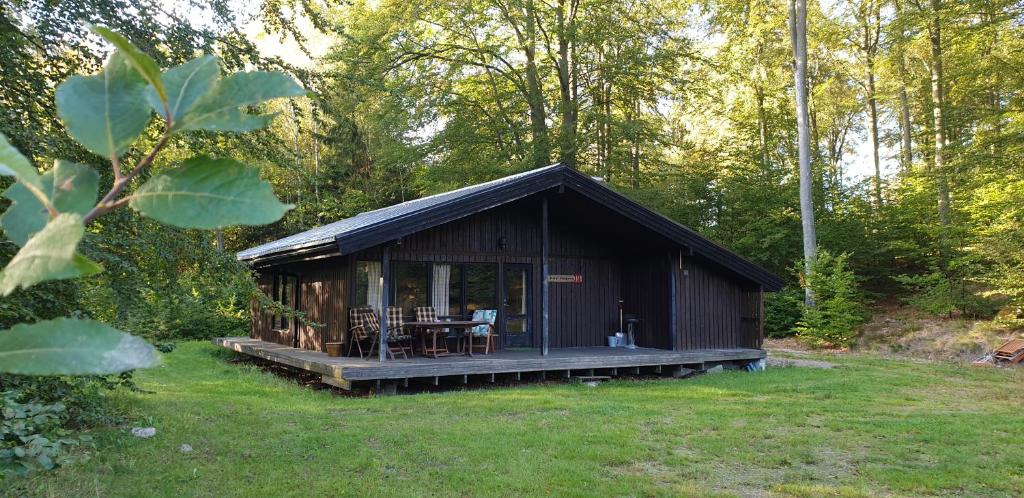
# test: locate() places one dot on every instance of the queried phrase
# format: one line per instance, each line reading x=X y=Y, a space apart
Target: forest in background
x=685 y=106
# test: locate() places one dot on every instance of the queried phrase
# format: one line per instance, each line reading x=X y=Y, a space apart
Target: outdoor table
x=436 y=328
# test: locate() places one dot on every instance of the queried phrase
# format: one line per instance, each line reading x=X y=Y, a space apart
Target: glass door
x=516 y=302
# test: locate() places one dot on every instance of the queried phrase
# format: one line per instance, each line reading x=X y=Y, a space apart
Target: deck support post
x=385 y=278
x=545 y=286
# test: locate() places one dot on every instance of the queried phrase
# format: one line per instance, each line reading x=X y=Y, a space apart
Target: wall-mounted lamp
x=501 y=243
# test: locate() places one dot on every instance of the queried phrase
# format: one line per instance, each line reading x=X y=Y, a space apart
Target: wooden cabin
x=561 y=256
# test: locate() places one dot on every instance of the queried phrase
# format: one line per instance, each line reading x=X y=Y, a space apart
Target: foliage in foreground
x=838 y=304
x=107 y=114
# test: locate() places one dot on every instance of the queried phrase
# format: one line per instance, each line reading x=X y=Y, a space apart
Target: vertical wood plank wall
x=714 y=309
x=263 y=326
x=646 y=294
x=323 y=298
x=585 y=314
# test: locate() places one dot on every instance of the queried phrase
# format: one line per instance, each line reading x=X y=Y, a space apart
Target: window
x=367 y=291
x=410 y=281
x=459 y=289
x=452 y=289
x=481 y=287
x=285 y=291
x=454 y=307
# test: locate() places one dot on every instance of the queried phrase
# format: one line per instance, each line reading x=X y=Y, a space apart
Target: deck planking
x=350 y=369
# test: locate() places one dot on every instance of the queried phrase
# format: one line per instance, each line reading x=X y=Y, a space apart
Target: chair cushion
x=395 y=318
x=426 y=314
x=488 y=316
x=370 y=321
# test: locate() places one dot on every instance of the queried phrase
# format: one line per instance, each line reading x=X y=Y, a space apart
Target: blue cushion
x=488 y=316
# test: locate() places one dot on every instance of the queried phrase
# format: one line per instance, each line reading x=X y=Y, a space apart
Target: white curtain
x=442 y=278
x=374 y=287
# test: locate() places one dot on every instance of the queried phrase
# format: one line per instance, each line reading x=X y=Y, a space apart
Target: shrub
x=937 y=294
x=838 y=304
x=32 y=436
x=41 y=416
x=782 y=312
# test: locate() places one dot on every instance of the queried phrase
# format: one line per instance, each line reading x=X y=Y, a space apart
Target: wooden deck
x=563 y=362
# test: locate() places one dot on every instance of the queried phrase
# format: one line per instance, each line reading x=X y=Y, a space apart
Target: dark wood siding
x=323 y=298
x=751 y=318
x=585 y=314
x=716 y=309
x=645 y=293
x=264 y=324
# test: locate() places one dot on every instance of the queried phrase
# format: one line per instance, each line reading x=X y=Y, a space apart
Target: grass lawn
x=870 y=427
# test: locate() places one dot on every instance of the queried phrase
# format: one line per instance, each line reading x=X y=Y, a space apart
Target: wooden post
x=673 y=314
x=545 y=286
x=760 y=317
x=385 y=277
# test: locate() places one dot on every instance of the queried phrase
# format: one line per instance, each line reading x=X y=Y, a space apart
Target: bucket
x=333 y=349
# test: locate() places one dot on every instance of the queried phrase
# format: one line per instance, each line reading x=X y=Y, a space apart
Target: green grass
x=871 y=427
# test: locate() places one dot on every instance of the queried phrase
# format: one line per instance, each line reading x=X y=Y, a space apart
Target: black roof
x=376 y=227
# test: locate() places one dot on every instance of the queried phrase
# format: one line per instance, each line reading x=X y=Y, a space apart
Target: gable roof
x=379 y=226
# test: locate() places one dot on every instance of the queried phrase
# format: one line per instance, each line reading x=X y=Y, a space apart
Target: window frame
x=279 y=284
x=463 y=284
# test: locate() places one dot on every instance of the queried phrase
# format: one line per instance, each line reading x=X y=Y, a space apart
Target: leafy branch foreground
x=106 y=113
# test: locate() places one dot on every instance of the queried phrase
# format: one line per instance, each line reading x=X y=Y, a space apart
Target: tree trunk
x=316 y=161
x=762 y=125
x=907 y=150
x=567 y=142
x=798 y=33
x=606 y=127
x=873 y=133
x=906 y=131
x=938 y=102
x=634 y=147
x=535 y=96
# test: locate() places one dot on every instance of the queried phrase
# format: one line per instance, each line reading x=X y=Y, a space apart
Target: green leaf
x=142 y=63
x=75 y=187
x=12 y=163
x=185 y=84
x=209 y=193
x=49 y=255
x=105 y=112
x=74 y=191
x=219 y=110
x=70 y=346
x=26 y=215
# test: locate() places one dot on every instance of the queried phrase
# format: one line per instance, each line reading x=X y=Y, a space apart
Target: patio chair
x=373 y=323
x=396 y=331
x=429 y=314
x=484 y=333
x=360 y=331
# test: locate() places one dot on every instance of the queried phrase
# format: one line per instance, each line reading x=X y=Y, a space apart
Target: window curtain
x=440 y=298
x=374 y=290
